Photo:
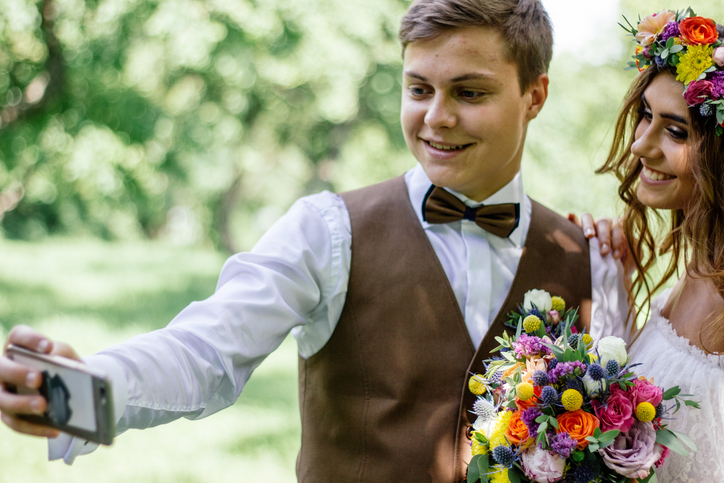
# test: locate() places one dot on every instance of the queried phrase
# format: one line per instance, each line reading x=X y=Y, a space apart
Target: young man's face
x=463 y=114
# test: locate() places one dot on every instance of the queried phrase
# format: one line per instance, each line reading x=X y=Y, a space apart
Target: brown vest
x=386 y=399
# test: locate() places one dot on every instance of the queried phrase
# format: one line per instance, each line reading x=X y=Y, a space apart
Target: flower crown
x=690 y=45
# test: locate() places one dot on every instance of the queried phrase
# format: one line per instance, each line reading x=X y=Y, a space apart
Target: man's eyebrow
x=461 y=78
x=666 y=115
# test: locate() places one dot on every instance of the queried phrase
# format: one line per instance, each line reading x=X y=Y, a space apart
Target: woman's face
x=662 y=146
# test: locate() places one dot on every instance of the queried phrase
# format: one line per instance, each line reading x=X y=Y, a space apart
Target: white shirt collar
x=418 y=184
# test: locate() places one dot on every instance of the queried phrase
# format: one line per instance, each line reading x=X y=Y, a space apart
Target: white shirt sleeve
x=294 y=278
x=609 y=306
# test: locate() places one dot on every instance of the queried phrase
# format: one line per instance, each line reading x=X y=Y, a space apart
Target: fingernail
x=589 y=232
x=616 y=254
x=604 y=246
x=35 y=406
x=31 y=380
x=43 y=345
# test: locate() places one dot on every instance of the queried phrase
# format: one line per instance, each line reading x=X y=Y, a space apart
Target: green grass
x=92 y=294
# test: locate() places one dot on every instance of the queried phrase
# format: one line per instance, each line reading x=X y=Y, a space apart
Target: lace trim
x=679 y=343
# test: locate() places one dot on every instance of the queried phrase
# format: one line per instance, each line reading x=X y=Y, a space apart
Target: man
x=387 y=299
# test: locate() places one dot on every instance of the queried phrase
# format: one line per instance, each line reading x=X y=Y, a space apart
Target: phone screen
x=71 y=393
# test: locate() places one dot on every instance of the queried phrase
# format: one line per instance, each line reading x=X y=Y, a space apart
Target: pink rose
x=554 y=317
x=633 y=453
x=718 y=56
x=542 y=466
x=618 y=412
x=644 y=391
x=698 y=92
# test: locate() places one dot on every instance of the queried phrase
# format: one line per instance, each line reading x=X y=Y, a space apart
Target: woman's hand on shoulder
x=608 y=231
x=19 y=375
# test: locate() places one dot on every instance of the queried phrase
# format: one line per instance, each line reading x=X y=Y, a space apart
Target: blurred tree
x=183 y=118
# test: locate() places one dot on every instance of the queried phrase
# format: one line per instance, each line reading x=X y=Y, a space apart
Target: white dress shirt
x=295 y=280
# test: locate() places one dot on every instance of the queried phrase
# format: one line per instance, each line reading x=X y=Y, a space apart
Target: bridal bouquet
x=557 y=406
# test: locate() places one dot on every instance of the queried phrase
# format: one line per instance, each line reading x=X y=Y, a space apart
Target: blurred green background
x=143 y=141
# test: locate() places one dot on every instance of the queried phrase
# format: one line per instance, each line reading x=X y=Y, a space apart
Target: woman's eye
x=678 y=134
x=645 y=113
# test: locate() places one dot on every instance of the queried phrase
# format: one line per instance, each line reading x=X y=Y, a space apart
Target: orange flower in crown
x=699 y=30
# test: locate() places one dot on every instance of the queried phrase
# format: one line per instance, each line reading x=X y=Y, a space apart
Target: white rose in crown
x=612 y=348
x=540 y=298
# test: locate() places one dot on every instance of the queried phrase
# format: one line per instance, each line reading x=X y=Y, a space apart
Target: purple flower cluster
x=671 y=30
x=563 y=444
x=717 y=78
x=565 y=368
x=528 y=417
x=529 y=345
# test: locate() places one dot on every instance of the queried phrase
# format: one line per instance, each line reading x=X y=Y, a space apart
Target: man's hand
x=609 y=233
x=19 y=375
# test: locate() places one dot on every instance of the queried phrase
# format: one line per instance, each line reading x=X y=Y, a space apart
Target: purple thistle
x=670 y=30
x=564 y=369
x=660 y=63
x=528 y=417
x=563 y=444
x=529 y=345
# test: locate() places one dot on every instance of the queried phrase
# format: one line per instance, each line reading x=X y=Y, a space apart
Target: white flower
x=540 y=298
x=541 y=465
x=612 y=348
x=592 y=387
x=484 y=425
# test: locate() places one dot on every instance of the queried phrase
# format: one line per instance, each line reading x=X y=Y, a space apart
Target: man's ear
x=538 y=92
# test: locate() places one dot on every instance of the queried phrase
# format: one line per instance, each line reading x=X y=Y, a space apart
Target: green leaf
x=593 y=447
x=664 y=54
x=667 y=438
x=483 y=465
x=676 y=48
x=597 y=432
x=473 y=469
x=692 y=404
x=541 y=418
x=542 y=428
x=671 y=392
x=515 y=475
x=553 y=422
x=591 y=439
x=578 y=456
x=685 y=439
x=609 y=435
x=670 y=42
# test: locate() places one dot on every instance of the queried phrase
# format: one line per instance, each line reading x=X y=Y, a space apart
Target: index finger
x=29 y=338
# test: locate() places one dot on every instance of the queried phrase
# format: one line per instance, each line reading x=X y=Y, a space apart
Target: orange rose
x=523 y=405
x=699 y=30
x=517 y=431
x=578 y=424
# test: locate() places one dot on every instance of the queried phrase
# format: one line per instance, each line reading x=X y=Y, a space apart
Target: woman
x=668 y=154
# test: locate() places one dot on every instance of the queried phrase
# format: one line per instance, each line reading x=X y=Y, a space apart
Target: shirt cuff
x=69 y=447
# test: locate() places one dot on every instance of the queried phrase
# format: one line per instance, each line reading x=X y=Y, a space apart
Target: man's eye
x=470 y=95
x=417 y=91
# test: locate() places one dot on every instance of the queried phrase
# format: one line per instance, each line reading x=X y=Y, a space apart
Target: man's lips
x=446 y=146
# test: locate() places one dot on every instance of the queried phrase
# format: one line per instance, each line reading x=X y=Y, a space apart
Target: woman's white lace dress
x=672 y=361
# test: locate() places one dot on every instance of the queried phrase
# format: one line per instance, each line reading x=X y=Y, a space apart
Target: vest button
x=469 y=432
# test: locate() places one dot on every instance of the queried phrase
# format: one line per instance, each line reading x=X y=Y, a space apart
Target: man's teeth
x=445 y=147
x=655 y=175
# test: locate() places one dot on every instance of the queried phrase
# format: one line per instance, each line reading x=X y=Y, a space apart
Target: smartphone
x=79 y=398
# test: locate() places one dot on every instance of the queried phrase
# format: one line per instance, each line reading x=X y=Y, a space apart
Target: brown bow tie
x=441 y=206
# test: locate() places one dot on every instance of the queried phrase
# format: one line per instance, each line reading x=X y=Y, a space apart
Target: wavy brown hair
x=695 y=237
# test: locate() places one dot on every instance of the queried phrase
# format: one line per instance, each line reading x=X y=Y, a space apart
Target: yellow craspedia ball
x=571 y=399
x=531 y=323
x=478 y=447
x=645 y=412
x=476 y=384
x=557 y=303
x=524 y=391
x=587 y=339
